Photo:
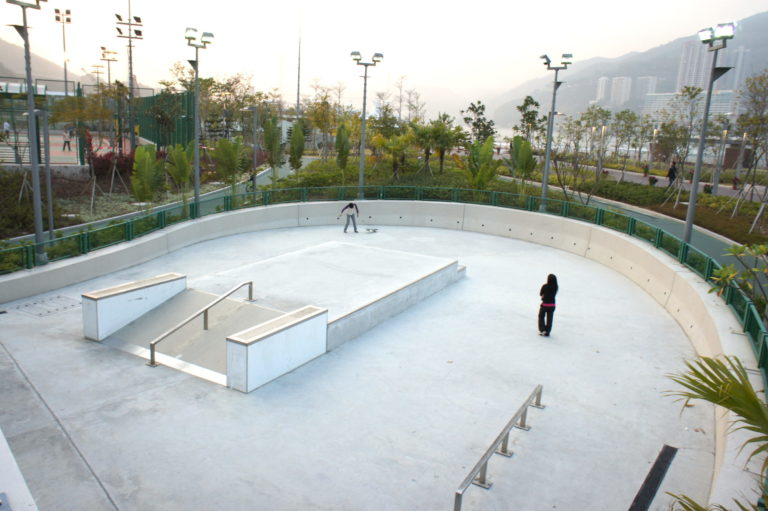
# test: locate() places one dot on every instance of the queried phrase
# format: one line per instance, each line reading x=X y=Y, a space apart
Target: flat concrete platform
x=393 y=420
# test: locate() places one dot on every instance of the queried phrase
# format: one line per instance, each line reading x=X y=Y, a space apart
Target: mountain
x=580 y=87
x=13 y=66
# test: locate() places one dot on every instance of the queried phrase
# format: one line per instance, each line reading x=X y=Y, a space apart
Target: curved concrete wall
x=706 y=320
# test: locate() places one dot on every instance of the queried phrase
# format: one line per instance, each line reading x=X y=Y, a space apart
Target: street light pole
x=133 y=33
x=377 y=57
x=34 y=160
x=64 y=17
x=197 y=42
x=551 y=121
x=717 y=39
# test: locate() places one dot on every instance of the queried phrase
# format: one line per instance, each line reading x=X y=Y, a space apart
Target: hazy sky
x=444 y=52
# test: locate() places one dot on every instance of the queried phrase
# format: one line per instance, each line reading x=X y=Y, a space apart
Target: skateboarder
x=352 y=211
x=547 y=308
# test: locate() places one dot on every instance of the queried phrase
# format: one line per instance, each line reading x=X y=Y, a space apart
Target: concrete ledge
x=262 y=353
x=12 y=481
x=359 y=321
x=108 y=310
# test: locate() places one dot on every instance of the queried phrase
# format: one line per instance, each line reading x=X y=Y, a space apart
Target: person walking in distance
x=67 y=139
x=547 y=308
x=672 y=174
x=351 y=210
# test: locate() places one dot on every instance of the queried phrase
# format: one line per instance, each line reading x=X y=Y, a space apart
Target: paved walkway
x=393 y=420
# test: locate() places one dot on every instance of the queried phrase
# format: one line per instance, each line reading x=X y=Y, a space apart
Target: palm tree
x=724 y=382
x=446 y=136
x=479 y=166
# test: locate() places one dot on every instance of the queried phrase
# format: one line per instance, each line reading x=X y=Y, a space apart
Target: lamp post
x=34 y=157
x=133 y=33
x=197 y=42
x=64 y=17
x=377 y=57
x=551 y=120
x=107 y=56
x=716 y=38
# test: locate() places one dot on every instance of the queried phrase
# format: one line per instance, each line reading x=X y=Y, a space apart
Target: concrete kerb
x=709 y=324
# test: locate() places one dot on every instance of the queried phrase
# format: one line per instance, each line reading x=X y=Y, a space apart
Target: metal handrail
x=203 y=311
x=481 y=468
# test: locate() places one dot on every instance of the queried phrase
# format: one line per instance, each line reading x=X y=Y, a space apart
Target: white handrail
x=481 y=467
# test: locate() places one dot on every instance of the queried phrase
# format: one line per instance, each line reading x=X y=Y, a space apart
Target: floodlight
x=377 y=57
x=137 y=19
x=546 y=59
x=725 y=31
x=119 y=18
x=137 y=32
x=706 y=35
x=206 y=38
x=355 y=55
x=190 y=33
x=32 y=5
x=120 y=32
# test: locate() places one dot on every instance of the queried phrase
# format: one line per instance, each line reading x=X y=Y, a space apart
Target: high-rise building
x=696 y=64
x=644 y=85
x=621 y=88
x=602 y=89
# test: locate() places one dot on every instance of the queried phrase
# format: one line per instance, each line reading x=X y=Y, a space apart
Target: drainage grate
x=48 y=306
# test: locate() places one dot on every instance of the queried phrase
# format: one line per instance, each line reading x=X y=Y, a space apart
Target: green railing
x=23 y=256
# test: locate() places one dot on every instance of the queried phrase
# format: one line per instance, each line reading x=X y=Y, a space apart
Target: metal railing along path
x=203 y=311
x=478 y=474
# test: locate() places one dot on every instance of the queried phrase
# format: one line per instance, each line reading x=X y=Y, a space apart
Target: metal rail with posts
x=478 y=474
x=203 y=311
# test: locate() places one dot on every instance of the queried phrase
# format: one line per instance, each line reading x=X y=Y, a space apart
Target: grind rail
x=203 y=311
x=499 y=446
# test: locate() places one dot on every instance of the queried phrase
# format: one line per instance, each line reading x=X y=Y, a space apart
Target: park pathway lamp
x=566 y=60
x=64 y=17
x=255 y=110
x=131 y=34
x=197 y=42
x=108 y=57
x=716 y=38
x=377 y=57
x=34 y=157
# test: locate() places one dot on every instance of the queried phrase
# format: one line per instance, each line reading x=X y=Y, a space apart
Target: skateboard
x=371 y=229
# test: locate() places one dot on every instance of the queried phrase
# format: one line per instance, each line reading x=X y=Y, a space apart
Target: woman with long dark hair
x=547 y=308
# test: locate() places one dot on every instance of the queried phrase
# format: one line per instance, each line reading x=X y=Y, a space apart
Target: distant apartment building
x=602 y=89
x=621 y=88
x=645 y=85
x=696 y=64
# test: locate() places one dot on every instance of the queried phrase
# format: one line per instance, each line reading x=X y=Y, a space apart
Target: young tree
x=424 y=137
x=531 y=124
x=164 y=111
x=342 y=148
x=480 y=127
x=680 y=123
x=273 y=145
x=447 y=136
x=479 y=166
x=148 y=173
x=624 y=127
x=754 y=122
x=179 y=166
x=230 y=159
x=521 y=161
x=415 y=105
x=297 y=146
x=321 y=114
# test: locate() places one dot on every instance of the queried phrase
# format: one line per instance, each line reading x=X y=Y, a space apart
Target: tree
x=446 y=136
x=414 y=104
x=531 y=124
x=521 y=161
x=229 y=156
x=342 y=148
x=624 y=127
x=479 y=166
x=148 y=173
x=297 y=146
x=480 y=127
x=164 y=111
x=273 y=145
x=321 y=115
x=679 y=124
x=754 y=122
x=424 y=137
x=179 y=166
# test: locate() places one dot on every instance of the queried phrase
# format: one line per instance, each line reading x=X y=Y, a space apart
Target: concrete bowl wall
x=707 y=321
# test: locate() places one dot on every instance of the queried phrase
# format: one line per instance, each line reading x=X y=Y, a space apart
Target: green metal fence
x=23 y=256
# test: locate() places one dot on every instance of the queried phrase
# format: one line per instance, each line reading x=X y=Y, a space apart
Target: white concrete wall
x=710 y=326
x=261 y=359
x=12 y=481
x=105 y=315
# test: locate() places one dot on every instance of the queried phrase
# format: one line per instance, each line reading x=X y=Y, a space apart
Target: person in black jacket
x=672 y=174
x=547 y=308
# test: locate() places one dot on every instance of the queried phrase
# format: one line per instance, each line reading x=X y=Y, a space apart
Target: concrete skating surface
x=393 y=420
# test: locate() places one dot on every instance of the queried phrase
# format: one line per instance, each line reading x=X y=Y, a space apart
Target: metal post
x=361 y=181
x=700 y=155
x=740 y=162
x=40 y=255
x=197 y=135
x=504 y=450
x=205 y=320
x=48 y=184
x=481 y=478
x=130 y=80
x=548 y=152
